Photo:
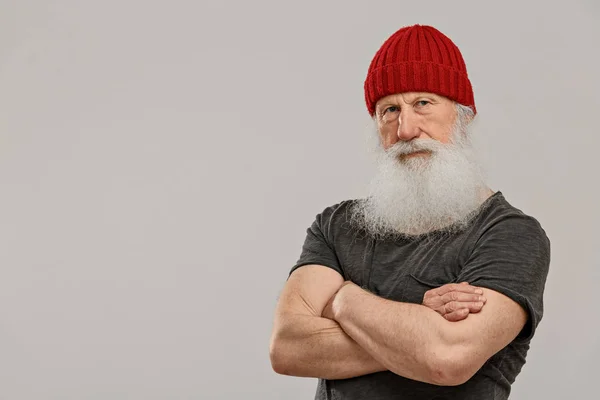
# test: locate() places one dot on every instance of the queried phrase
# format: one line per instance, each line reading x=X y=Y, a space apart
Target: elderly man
x=432 y=286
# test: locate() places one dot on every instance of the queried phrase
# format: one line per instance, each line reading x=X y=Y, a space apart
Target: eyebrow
x=395 y=103
x=421 y=94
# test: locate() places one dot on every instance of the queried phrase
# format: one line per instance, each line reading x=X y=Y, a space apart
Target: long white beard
x=418 y=195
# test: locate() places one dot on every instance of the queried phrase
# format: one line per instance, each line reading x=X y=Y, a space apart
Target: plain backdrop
x=160 y=162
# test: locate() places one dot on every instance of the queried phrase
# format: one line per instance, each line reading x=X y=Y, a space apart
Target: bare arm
x=303 y=343
x=414 y=341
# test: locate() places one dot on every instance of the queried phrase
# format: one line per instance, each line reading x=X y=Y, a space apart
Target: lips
x=415 y=153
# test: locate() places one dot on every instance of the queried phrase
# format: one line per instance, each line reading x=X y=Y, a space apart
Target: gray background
x=161 y=161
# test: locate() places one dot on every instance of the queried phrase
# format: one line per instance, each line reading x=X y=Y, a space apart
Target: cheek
x=441 y=132
x=387 y=137
x=445 y=138
x=387 y=141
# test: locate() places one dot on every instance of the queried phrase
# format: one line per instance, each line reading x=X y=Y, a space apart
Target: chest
x=403 y=270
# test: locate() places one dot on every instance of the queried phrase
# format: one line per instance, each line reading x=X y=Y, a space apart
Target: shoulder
x=335 y=222
x=340 y=212
x=500 y=216
x=504 y=233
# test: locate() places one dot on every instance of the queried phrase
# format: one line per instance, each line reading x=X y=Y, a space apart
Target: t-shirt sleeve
x=512 y=257
x=318 y=245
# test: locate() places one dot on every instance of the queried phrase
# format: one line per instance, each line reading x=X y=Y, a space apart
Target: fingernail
x=479 y=291
x=479 y=304
x=481 y=298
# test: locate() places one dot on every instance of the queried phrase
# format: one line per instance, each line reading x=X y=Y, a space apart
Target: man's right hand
x=455 y=301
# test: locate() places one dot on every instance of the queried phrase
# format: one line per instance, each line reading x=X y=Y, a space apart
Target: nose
x=408 y=127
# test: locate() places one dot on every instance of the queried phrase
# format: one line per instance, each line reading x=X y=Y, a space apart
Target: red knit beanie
x=418 y=58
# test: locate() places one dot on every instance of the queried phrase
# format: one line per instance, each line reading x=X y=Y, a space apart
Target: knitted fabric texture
x=418 y=58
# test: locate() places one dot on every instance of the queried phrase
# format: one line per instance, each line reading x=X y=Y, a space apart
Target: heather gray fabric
x=503 y=249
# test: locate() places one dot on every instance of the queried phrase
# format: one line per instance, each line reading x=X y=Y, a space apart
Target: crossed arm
x=304 y=343
x=327 y=328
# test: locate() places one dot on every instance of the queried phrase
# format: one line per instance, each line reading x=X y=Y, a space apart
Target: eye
x=422 y=103
x=388 y=113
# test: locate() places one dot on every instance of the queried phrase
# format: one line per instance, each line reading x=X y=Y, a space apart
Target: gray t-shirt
x=502 y=249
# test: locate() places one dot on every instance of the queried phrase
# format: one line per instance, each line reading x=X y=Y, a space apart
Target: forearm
x=405 y=338
x=317 y=347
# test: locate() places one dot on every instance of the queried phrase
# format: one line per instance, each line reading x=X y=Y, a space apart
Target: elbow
x=280 y=362
x=452 y=367
x=449 y=375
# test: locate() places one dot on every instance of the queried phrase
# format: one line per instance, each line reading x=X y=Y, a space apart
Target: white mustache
x=415 y=145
